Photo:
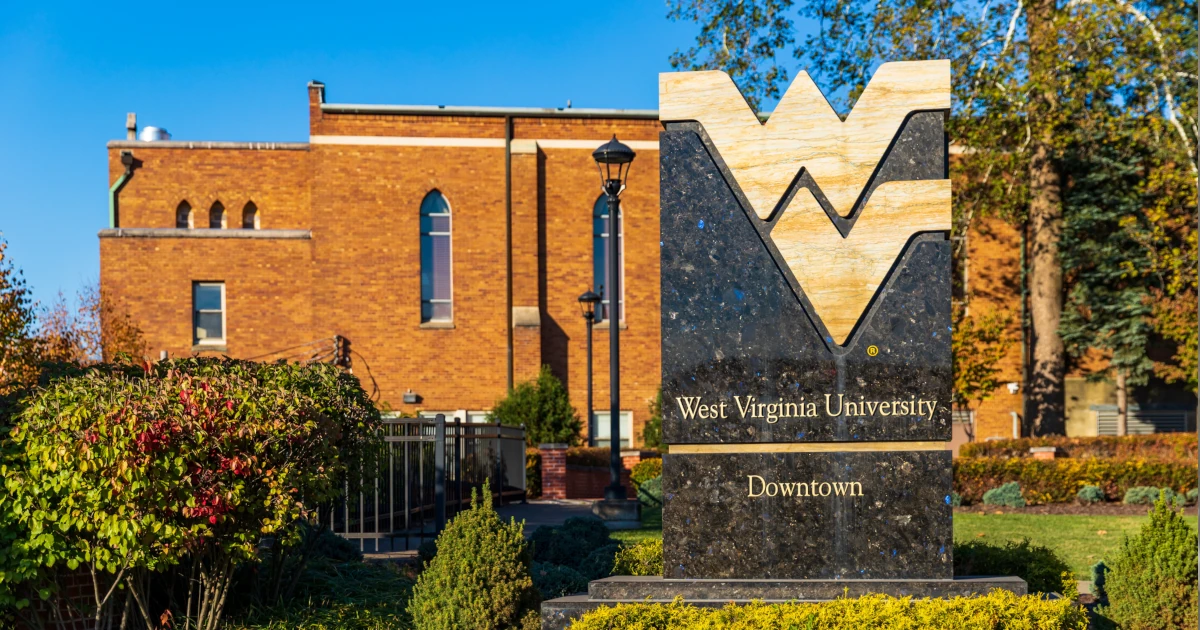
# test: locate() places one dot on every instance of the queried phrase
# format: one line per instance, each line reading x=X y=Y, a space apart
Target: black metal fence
x=425 y=475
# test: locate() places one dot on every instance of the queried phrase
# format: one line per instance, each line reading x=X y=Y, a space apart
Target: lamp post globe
x=613 y=159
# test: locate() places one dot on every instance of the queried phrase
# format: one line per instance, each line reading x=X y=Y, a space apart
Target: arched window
x=600 y=233
x=436 y=304
x=250 y=216
x=216 y=216
x=183 y=215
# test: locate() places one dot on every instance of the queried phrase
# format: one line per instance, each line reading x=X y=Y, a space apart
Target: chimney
x=131 y=126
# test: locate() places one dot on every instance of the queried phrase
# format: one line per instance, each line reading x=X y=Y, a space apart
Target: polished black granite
x=557 y=614
x=898 y=524
x=735 y=322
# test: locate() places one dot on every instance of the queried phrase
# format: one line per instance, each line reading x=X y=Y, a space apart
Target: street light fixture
x=587 y=304
x=613 y=159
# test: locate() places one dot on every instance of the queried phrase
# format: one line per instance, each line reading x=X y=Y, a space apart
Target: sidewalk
x=540 y=512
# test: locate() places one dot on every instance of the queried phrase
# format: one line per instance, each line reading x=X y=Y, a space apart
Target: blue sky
x=237 y=71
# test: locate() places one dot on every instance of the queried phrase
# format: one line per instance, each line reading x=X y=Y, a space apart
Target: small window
x=602 y=429
x=436 y=289
x=216 y=216
x=250 y=216
x=600 y=269
x=208 y=312
x=183 y=215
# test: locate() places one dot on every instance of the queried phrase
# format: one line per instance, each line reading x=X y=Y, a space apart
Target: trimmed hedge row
x=1059 y=480
x=1157 y=446
x=999 y=609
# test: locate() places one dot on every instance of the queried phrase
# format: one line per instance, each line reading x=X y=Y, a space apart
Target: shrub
x=195 y=459
x=571 y=543
x=1145 y=495
x=594 y=456
x=479 y=577
x=543 y=407
x=1152 y=581
x=641 y=558
x=1192 y=494
x=533 y=473
x=1039 y=566
x=955 y=499
x=554 y=580
x=599 y=563
x=1090 y=494
x=650 y=493
x=652 y=432
x=1099 y=575
x=1155 y=447
x=645 y=470
x=998 y=609
x=1058 y=480
x=1007 y=495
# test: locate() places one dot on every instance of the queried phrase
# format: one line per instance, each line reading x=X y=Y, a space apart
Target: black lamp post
x=587 y=304
x=613 y=160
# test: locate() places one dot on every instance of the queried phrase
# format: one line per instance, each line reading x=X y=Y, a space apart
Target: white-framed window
x=600 y=264
x=183 y=215
x=208 y=313
x=250 y=216
x=216 y=216
x=436 y=279
x=601 y=429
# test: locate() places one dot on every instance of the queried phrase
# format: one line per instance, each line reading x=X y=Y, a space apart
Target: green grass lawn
x=1080 y=541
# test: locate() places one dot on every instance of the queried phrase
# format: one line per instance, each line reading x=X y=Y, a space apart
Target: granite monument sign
x=806 y=331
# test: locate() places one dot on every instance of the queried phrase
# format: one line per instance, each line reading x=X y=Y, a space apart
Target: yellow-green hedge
x=1000 y=609
x=1058 y=480
x=1156 y=446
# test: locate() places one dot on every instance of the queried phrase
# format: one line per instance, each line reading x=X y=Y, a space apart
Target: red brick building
x=266 y=250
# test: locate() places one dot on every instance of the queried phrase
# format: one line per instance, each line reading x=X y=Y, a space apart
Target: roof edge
x=188 y=144
x=454 y=110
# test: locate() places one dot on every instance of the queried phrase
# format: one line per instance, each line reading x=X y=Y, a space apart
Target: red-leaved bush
x=183 y=466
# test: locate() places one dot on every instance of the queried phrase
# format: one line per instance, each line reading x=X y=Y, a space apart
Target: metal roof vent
x=154 y=134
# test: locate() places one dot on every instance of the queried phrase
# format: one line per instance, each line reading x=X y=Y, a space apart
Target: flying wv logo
x=838 y=273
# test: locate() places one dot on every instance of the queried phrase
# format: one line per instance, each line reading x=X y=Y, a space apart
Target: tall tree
x=1028 y=76
x=1105 y=259
x=19 y=346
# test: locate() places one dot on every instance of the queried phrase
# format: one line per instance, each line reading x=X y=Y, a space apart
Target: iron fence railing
x=426 y=474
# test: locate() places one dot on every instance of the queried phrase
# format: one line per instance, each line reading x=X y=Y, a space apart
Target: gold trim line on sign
x=807 y=447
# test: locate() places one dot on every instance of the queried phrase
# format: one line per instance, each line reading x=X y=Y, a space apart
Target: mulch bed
x=1096 y=509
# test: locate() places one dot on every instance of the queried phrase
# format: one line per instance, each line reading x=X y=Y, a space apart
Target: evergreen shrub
x=645 y=470
x=1192 y=494
x=555 y=580
x=641 y=558
x=650 y=493
x=1059 y=480
x=956 y=499
x=1007 y=495
x=572 y=542
x=479 y=577
x=1039 y=566
x=599 y=563
x=1151 y=583
x=998 y=609
x=1090 y=494
x=1146 y=495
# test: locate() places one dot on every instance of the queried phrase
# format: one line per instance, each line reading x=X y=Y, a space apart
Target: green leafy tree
x=544 y=407
x=20 y=352
x=1107 y=266
x=1031 y=80
x=978 y=344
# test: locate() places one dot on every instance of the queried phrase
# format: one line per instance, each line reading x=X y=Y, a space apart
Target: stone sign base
x=557 y=614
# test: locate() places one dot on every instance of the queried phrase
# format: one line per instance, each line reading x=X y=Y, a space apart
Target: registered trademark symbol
x=872 y=350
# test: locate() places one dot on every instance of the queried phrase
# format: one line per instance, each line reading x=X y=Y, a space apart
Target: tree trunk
x=1046 y=225
x=1122 y=404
